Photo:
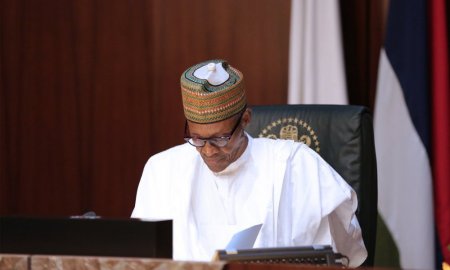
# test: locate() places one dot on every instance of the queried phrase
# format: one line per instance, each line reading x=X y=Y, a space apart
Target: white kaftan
x=284 y=185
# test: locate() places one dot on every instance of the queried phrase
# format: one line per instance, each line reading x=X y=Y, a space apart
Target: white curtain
x=316 y=62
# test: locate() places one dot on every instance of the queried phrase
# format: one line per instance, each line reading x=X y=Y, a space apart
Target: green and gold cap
x=212 y=91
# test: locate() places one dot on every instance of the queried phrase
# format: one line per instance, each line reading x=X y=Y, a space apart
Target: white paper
x=244 y=239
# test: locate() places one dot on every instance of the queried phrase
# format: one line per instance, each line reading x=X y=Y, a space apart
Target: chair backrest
x=343 y=136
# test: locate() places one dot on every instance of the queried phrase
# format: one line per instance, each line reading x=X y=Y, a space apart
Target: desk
x=46 y=262
x=19 y=262
x=41 y=262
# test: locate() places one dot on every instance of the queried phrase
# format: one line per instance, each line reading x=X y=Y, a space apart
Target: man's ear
x=246 y=117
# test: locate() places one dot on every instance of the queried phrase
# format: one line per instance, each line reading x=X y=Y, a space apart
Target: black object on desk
x=312 y=255
x=86 y=236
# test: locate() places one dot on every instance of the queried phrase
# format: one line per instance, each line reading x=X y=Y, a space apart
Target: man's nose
x=209 y=150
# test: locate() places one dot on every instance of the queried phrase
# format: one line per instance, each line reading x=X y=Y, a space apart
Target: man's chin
x=216 y=168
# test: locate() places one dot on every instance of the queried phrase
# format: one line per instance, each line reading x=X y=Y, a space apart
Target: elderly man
x=222 y=181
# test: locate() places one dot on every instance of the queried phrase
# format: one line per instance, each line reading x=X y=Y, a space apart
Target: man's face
x=218 y=158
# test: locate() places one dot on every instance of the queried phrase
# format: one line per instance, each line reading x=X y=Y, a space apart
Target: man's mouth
x=211 y=160
x=215 y=160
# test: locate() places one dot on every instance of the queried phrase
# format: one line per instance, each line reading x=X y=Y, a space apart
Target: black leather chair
x=343 y=136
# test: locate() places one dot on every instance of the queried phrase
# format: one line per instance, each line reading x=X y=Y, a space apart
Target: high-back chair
x=343 y=136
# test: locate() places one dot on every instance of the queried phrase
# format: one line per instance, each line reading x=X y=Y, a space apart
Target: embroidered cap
x=212 y=91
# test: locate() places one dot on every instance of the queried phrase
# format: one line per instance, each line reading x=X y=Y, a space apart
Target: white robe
x=284 y=185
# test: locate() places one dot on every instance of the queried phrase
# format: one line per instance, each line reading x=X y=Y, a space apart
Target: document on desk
x=244 y=239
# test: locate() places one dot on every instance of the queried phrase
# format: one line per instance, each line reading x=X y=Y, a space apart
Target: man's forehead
x=217 y=128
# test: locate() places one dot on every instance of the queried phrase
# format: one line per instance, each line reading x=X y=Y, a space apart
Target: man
x=223 y=181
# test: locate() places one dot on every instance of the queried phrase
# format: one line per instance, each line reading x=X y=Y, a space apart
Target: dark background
x=90 y=88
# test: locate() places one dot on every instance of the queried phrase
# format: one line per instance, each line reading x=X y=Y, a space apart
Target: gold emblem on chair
x=292 y=129
x=289 y=132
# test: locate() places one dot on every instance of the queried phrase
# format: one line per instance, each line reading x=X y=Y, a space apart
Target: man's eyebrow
x=211 y=137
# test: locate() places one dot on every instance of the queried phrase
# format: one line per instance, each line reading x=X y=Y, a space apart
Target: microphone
x=87 y=215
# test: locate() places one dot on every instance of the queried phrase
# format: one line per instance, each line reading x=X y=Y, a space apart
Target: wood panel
x=90 y=89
